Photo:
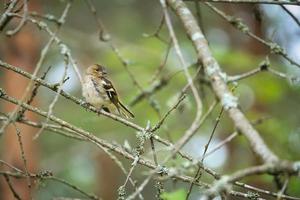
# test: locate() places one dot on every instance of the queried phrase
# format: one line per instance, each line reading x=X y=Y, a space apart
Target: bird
x=99 y=91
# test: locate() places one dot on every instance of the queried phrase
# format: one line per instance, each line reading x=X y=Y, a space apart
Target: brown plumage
x=99 y=91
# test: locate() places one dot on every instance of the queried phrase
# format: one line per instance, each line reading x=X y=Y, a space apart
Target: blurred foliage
x=262 y=95
x=176 y=195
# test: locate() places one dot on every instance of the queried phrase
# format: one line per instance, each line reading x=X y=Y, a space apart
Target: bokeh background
x=130 y=24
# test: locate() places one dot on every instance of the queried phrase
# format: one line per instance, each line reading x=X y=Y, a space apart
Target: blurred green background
x=128 y=22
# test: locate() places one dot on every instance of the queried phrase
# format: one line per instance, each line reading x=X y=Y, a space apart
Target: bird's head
x=96 y=69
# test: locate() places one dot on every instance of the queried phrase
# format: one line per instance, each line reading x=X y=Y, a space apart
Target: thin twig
x=283 y=189
x=11 y=187
x=5 y=18
x=46 y=175
x=12 y=115
x=157 y=31
x=222 y=143
x=263 y=67
x=238 y=24
x=158 y=125
x=55 y=99
x=33 y=94
x=291 y=14
x=198 y=173
x=23 y=20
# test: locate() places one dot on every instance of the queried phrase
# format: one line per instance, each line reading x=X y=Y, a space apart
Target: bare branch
x=213 y=71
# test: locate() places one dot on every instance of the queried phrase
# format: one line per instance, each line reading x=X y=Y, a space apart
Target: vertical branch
x=159 y=184
x=196 y=123
x=199 y=173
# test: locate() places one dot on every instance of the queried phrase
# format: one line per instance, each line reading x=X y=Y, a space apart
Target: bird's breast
x=94 y=93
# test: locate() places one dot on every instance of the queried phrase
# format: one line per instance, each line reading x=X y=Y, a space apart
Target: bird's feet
x=85 y=104
x=103 y=108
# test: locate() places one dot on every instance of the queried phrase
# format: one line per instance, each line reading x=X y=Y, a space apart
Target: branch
x=216 y=76
x=91 y=137
x=241 y=26
x=48 y=176
x=5 y=18
x=284 y=167
x=89 y=107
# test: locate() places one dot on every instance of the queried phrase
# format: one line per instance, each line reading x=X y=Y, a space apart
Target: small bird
x=99 y=91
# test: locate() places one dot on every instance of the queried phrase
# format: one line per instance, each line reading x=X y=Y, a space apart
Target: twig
x=47 y=17
x=139 y=189
x=103 y=34
x=264 y=66
x=6 y=177
x=238 y=24
x=174 y=152
x=59 y=88
x=284 y=167
x=158 y=125
x=158 y=85
x=158 y=30
x=291 y=14
x=128 y=177
x=91 y=196
x=46 y=175
x=10 y=166
x=283 y=189
x=188 y=135
x=158 y=183
x=12 y=116
x=23 y=20
x=63 y=47
x=33 y=94
x=199 y=173
x=225 y=141
x=274 y=194
x=18 y=132
x=22 y=152
x=5 y=18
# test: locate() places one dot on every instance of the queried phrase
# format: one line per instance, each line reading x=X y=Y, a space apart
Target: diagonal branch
x=216 y=76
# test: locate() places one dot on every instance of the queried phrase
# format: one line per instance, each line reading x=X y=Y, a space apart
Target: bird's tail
x=124 y=111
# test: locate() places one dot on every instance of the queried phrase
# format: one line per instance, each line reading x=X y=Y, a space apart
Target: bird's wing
x=113 y=96
x=110 y=91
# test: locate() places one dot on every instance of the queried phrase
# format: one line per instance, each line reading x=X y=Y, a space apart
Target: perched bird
x=99 y=91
